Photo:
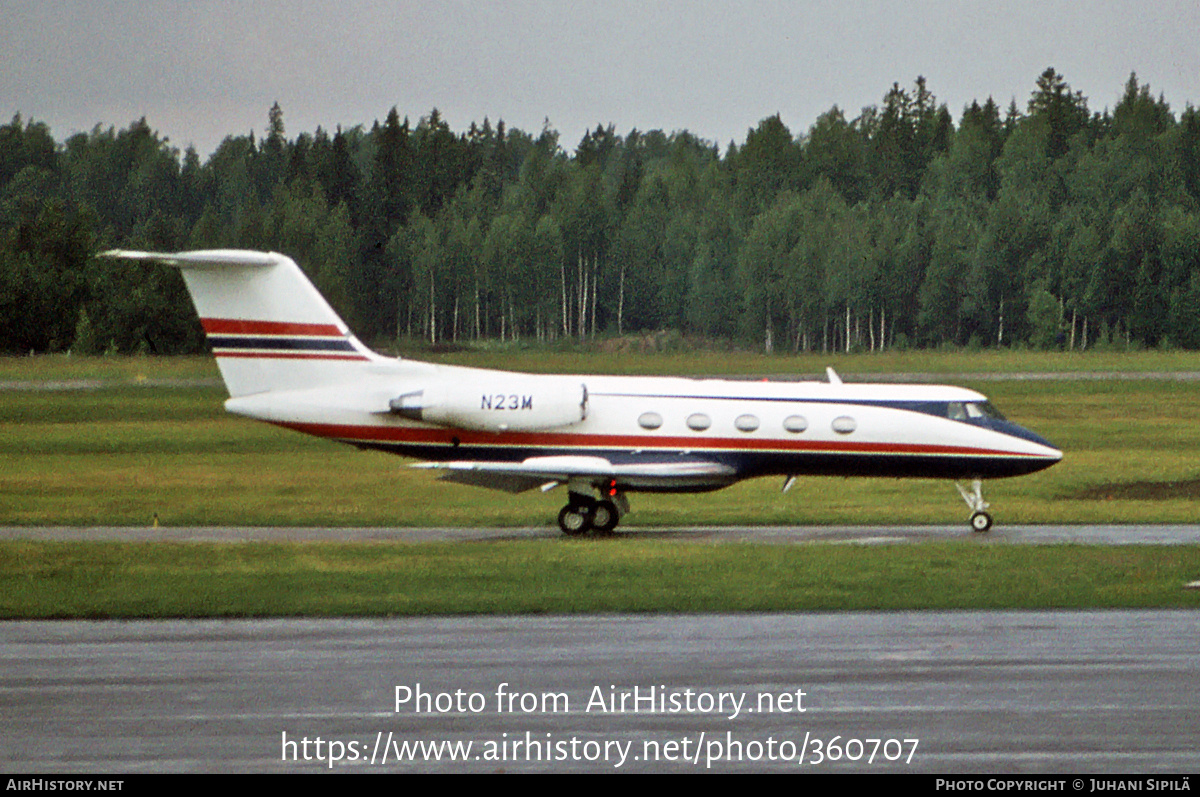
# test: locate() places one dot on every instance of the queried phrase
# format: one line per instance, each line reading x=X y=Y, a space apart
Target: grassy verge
x=116 y=369
x=611 y=357
x=125 y=580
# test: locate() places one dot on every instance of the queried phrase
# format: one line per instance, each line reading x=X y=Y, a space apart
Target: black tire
x=981 y=522
x=574 y=522
x=605 y=517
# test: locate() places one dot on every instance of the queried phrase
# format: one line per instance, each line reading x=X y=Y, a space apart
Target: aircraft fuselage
x=752 y=428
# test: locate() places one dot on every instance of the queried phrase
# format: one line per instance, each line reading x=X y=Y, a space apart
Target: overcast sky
x=201 y=70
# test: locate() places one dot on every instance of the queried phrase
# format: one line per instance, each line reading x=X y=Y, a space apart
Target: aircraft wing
x=547 y=472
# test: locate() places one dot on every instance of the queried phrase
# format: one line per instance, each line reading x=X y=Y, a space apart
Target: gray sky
x=201 y=70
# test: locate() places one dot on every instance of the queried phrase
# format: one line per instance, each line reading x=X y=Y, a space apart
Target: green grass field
x=148 y=440
x=103 y=580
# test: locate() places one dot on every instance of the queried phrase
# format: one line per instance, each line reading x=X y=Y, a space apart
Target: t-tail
x=269 y=328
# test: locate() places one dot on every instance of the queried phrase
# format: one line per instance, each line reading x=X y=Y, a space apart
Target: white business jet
x=288 y=359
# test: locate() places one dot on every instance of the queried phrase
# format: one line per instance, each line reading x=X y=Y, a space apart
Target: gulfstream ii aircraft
x=288 y=359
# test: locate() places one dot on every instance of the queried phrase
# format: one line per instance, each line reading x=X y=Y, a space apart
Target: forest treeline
x=1049 y=225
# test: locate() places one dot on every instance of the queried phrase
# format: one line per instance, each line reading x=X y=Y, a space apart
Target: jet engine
x=502 y=403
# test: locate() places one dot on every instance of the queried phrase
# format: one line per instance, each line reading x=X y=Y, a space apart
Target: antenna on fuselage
x=834 y=379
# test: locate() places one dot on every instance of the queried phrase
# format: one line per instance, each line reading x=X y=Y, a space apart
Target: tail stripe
x=287 y=344
x=237 y=326
x=281 y=355
x=232 y=337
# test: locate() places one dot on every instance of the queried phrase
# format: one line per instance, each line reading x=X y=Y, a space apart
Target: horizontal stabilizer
x=213 y=258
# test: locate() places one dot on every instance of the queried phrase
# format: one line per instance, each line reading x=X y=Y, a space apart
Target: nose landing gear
x=981 y=521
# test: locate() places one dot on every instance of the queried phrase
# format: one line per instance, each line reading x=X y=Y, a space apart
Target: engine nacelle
x=505 y=403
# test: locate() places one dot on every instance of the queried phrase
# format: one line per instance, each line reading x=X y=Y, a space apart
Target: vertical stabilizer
x=268 y=327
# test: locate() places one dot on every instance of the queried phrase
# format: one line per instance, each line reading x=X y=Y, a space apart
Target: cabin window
x=698 y=422
x=650 y=420
x=795 y=423
x=955 y=411
x=746 y=423
x=844 y=424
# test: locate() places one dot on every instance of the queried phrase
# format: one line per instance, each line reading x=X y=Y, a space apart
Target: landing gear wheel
x=981 y=522
x=575 y=520
x=605 y=517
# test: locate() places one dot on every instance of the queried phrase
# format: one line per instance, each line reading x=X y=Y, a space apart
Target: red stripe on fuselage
x=236 y=326
x=402 y=435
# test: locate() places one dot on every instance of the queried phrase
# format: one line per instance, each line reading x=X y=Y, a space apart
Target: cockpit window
x=966 y=411
x=983 y=409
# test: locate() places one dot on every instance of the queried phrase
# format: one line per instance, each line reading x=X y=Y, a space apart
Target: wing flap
x=516 y=477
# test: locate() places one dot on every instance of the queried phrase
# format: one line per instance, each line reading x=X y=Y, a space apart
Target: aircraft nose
x=1050 y=453
x=1049 y=450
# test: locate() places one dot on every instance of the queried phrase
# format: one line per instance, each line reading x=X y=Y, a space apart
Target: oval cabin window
x=746 y=423
x=795 y=423
x=698 y=422
x=650 y=420
x=844 y=424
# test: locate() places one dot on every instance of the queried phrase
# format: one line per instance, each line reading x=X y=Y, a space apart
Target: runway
x=865 y=535
x=932 y=692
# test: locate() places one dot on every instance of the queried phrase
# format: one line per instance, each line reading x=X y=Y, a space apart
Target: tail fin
x=268 y=326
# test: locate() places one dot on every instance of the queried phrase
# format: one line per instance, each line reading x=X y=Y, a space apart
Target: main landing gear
x=583 y=513
x=981 y=521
